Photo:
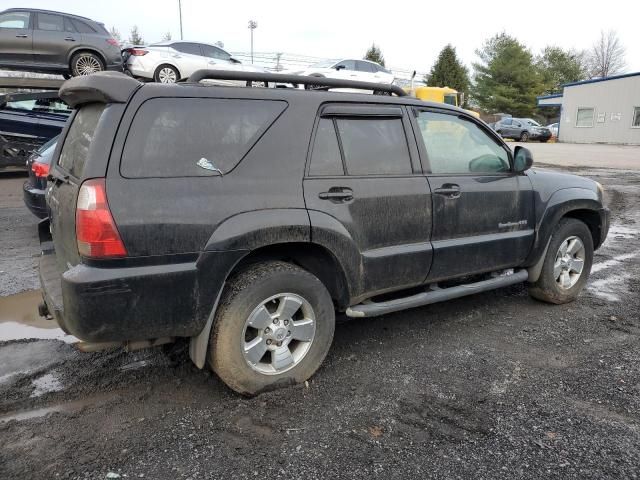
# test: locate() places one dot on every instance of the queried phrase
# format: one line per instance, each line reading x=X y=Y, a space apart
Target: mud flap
x=535 y=270
x=199 y=344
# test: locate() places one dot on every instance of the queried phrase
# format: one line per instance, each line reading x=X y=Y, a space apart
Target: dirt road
x=496 y=385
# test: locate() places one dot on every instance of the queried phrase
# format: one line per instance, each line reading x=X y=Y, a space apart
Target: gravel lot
x=496 y=385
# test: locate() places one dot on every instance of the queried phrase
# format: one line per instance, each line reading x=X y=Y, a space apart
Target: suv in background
x=522 y=129
x=53 y=42
x=243 y=218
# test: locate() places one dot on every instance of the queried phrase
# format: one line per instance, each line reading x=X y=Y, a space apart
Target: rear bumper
x=133 y=303
x=34 y=200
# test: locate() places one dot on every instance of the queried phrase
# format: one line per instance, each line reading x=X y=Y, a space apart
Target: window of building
x=584 y=117
x=374 y=146
x=636 y=117
x=325 y=158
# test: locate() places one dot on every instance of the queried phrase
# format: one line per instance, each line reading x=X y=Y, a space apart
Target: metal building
x=602 y=110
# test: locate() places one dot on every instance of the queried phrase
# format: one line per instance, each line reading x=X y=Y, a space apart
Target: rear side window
x=194 y=137
x=190 y=48
x=78 y=141
x=325 y=158
x=82 y=27
x=374 y=146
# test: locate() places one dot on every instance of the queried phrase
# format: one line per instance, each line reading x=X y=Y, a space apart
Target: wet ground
x=496 y=385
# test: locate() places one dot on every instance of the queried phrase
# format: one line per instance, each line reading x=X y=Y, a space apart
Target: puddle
x=19 y=319
x=47 y=383
x=615 y=261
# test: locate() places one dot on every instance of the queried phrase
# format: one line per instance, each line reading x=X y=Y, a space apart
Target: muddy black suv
x=244 y=218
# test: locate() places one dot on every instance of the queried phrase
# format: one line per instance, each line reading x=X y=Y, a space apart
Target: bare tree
x=166 y=36
x=606 y=56
x=115 y=33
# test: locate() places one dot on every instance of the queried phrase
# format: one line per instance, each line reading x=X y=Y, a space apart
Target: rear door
x=16 y=37
x=363 y=178
x=53 y=37
x=483 y=212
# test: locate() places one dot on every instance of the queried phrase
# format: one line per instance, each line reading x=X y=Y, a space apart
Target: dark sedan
x=34 y=188
x=522 y=129
x=27 y=121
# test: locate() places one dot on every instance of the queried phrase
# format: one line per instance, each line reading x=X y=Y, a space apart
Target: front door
x=483 y=212
x=367 y=199
x=16 y=38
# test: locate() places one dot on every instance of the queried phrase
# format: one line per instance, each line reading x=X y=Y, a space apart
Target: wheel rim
x=569 y=263
x=87 y=65
x=167 y=75
x=525 y=137
x=278 y=333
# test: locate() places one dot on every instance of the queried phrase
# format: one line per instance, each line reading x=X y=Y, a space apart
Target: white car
x=168 y=62
x=554 y=129
x=349 y=69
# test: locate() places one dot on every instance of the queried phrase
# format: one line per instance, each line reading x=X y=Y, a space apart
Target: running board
x=374 y=309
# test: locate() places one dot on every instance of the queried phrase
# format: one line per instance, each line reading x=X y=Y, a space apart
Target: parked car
x=27 y=121
x=54 y=42
x=34 y=188
x=243 y=219
x=168 y=62
x=349 y=69
x=553 y=128
x=522 y=129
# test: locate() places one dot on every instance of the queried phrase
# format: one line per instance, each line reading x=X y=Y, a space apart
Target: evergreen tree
x=506 y=79
x=448 y=71
x=134 y=37
x=374 y=54
x=558 y=66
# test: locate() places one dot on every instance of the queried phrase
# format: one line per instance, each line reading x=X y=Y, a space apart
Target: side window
x=190 y=48
x=214 y=52
x=15 y=20
x=68 y=26
x=52 y=23
x=455 y=145
x=374 y=146
x=194 y=137
x=365 y=67
x=78 y=141
x=347 y=64
x=82 y=27
x=325 y=156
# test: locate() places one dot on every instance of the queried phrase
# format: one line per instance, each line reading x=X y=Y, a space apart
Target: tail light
x=40 y=170
x=113 y=41
x=137 y=52
x=96 y=232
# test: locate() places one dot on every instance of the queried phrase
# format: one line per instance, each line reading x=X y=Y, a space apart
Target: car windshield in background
x=450 y=99
x=39 y=105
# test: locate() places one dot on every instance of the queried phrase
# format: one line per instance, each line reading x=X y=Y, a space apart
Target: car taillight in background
x=96 y=232
x=40 y=170
x=137 y=52
x=113 y=41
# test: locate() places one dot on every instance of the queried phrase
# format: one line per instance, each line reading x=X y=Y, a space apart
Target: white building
x=602 y=110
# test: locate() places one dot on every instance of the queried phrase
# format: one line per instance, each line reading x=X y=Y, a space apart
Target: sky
x=410 y=34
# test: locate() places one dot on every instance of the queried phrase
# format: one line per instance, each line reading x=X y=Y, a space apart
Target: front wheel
x=274 y=327
x=567 y=263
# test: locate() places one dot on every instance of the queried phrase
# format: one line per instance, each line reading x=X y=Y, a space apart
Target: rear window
x=78 y=141
x=194 y=137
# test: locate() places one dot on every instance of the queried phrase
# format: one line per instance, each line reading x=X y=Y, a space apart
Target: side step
x=374 y=309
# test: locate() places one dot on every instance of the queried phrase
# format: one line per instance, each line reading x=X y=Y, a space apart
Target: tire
x=86 y=63
x=66 y=76
x=544 y=140
x=254 y=297
x=548 y=287
x=524 y=137
x=166 y=74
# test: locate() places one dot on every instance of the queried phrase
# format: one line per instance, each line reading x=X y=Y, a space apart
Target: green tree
x=557 y=67
x=506 y=79
x=134 y=37
x=374 y=54
x=448 y=71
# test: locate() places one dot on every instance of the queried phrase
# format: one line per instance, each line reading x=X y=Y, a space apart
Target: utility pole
x=180 y=12
x=252 y=26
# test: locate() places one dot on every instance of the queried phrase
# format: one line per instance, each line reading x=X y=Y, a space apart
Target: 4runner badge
x=521 y=223
x=208 y=165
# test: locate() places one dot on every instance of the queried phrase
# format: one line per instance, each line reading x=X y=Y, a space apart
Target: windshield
x=451 y=99
x=532 y=122
x=323 y=64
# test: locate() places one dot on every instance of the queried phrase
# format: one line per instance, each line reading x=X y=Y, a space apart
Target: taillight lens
x=96 y=232
x=40 y=170
x=137 y=52
x=113 y=41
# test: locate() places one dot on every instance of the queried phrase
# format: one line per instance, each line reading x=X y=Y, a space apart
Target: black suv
x=243 y=218
x=54 y=42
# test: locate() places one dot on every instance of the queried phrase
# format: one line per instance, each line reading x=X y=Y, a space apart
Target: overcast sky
x=410 y=33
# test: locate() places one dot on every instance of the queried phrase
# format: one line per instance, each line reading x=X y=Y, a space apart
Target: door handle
x=337 y=195
x=22 y=35
x=69 y=39
x=449 y=190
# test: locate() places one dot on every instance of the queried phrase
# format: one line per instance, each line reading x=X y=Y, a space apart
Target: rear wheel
x=274 y=326
x=86 y=63
x=524 y=137
x=567 y=263
x=166 y=74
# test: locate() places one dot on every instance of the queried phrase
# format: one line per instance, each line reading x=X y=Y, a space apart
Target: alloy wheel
x=569 y=262
x=167 y=75
x=87 y=64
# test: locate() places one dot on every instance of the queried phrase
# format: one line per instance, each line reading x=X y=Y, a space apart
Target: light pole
x=252 y=26
x=180 y=12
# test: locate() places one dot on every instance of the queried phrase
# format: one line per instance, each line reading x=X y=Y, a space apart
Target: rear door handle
x=449 y=190
x=69 y=39
x=22 y=35
x=337 y=195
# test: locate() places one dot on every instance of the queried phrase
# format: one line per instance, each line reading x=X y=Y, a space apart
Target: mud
x=491 y=386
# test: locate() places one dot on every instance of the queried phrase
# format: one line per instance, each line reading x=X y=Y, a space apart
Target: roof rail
x=321 y=82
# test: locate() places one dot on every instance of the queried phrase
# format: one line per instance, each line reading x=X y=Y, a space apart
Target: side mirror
x=522 y=159
x=340 y=67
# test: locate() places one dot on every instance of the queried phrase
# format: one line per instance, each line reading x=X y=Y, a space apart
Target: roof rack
x=321 y=82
